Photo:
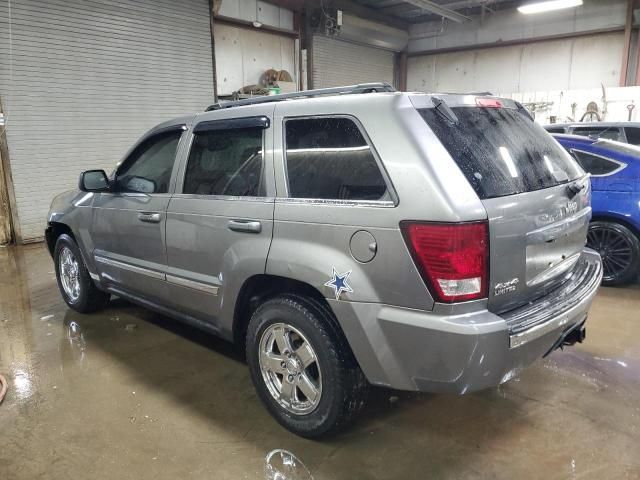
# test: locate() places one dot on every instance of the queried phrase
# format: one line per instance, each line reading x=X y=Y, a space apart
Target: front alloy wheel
x=75 y=284
x=69 y=274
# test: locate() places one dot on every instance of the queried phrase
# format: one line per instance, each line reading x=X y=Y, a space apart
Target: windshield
x=501 y=151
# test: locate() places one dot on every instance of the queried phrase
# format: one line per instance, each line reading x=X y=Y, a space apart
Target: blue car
x=615 y=179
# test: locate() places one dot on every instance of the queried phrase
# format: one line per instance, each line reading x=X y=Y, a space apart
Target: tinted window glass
x=633 y=135
x=554 y=129
x=612 y=133
x=329 y=158
x=594 y=164
x=148 y=168
x=226 y=162
x=501 y=151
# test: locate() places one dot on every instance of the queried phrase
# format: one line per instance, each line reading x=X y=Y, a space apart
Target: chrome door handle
x=149 y=217
x=246 y=226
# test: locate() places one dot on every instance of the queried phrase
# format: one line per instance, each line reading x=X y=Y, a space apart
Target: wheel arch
x=612 y=217
x=631 y=275
x=53 y=232
x=260 y=288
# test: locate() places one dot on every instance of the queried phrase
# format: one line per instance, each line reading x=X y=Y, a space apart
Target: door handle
x=246 y=226
x=149 y=217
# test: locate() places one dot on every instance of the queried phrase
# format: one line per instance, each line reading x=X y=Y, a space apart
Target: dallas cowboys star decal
x=339 y=283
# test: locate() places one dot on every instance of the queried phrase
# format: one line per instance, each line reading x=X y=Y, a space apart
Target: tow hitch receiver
x=574 y=334
x=577 y=335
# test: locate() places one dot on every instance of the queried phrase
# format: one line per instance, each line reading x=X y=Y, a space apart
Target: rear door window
x=226 y=162
x=501 y=151
x=329 y=158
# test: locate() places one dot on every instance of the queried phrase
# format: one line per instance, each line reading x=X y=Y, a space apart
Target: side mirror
x=94 y=181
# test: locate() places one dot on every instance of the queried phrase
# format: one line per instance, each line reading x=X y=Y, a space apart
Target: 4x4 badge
x=339 y=283
x=506 y=287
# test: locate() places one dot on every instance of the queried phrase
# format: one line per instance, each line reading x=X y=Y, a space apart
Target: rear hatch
x=536 y=196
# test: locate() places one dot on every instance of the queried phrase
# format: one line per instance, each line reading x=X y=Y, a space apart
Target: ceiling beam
x=295 y=5
x=363 y=12
x=439 y=10
x=347 y=6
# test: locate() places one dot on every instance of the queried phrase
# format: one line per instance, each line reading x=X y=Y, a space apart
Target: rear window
x=501 y=151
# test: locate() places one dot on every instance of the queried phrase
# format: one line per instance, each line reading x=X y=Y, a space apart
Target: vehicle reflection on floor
x=283 y=465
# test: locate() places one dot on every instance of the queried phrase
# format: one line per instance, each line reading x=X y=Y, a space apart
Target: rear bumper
x=426 y=351
x=557 y=309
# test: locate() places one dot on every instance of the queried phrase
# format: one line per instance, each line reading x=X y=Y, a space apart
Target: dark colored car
x=615 y=179
x=626 y=132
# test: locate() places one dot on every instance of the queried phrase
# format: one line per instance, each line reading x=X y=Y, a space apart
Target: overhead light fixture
x=549 y=6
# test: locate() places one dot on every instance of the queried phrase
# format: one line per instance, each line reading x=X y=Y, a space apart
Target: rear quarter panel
x=312 y=238
x=617 y=196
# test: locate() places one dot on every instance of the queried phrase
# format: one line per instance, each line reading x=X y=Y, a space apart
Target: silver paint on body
x=190 y=255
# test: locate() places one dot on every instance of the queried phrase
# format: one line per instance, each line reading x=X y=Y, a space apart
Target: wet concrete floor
x=127 y=394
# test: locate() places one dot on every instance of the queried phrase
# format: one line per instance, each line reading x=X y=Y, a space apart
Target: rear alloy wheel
x=290 y=368
x=620 y=251
x=302 y=367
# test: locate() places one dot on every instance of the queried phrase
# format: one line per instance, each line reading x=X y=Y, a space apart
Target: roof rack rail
x=351 y=89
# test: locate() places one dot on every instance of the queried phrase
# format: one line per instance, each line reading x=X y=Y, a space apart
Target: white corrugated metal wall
x=570 y=63
x=85 y=78
x=336 y=62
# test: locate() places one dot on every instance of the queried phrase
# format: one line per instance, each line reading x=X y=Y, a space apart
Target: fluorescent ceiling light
x=549 y=6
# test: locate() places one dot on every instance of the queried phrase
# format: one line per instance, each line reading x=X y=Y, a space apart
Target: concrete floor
x=127 y=394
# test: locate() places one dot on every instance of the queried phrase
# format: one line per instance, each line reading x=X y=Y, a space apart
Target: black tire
x=90 y=298
x=619 y=248
x=343 y=387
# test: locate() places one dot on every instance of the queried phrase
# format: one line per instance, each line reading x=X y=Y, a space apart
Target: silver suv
x=344 y=237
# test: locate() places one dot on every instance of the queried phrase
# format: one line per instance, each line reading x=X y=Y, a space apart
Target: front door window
x=148 y=168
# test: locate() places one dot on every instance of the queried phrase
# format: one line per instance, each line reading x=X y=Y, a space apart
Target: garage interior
x=128 y=393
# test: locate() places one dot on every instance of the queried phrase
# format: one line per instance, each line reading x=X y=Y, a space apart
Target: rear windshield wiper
x=598 y=135
x=445 y=110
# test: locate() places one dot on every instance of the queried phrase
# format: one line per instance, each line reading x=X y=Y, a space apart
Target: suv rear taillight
x=453 y=258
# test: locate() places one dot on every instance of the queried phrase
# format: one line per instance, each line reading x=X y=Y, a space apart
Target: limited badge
x=339 y=283
x=506 y=287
